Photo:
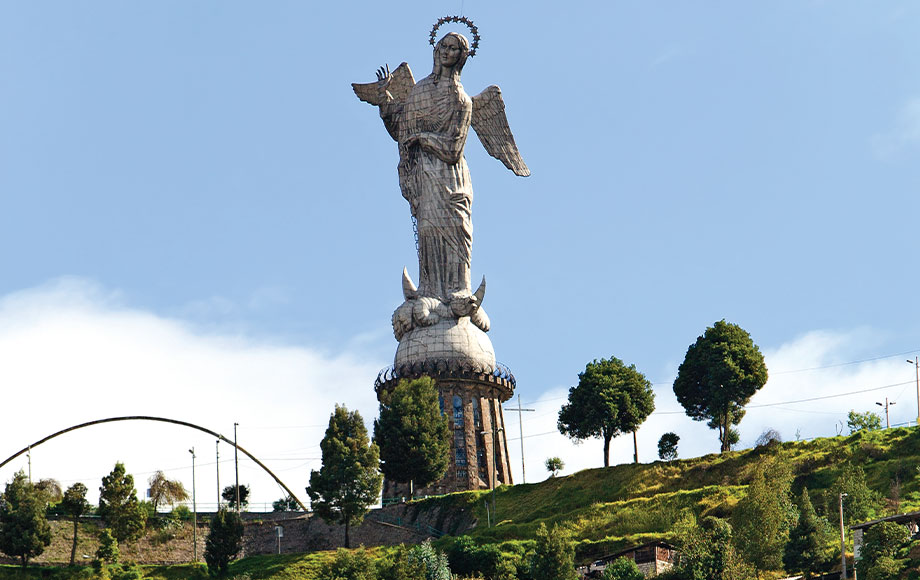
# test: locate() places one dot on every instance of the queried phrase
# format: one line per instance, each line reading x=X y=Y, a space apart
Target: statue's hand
x=383 y=75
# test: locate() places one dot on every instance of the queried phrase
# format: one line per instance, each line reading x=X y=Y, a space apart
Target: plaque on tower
x=441 y=325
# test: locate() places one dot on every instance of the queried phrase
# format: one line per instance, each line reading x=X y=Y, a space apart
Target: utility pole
x=29 y=455
x=194 y=511
x=887 y=421
x=843 y=546
x=916 y=363
x=520 y=413
x=236 y=467
x=217 y=464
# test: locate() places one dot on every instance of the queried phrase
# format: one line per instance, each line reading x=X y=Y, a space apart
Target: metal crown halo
x=461 y=19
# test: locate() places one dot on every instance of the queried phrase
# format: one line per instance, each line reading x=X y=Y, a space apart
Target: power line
x=828 y=396
x=843 y=364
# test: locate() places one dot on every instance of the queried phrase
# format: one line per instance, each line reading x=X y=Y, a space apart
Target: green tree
x=224 y=541
x=623 y=569
x=885 y=568
x=348 y=481
x=75 y=505
x=807 y=551
x=165 y=491
x=108 y=547
x=861 y=502
x=765 y=515
x=721 y=372
x=51 y=488
x=24 y=530
x=286 y=504
x=433 y=562
x=667 y=446
x=554 y=465
x=468 y=558
x=867 y=421
x=881 y=544
x=412 y=433
x=229 y=495
x=609 y=399
x=119 y=507
x=554 y=555
x=707 y=551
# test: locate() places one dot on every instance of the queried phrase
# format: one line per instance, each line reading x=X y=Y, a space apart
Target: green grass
x=605 y=509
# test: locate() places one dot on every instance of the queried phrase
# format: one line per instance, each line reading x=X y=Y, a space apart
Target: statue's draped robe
x=435 y=180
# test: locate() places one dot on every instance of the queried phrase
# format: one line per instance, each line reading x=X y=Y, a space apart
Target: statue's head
x=451 y=52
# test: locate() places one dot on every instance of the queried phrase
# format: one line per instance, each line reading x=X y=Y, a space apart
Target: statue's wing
x=398 y=87
x=491 y=126
x=401 y=82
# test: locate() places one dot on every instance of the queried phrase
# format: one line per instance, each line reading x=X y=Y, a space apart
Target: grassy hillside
x=609 y=508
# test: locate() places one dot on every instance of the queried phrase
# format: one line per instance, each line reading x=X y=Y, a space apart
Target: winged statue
x=430 y=120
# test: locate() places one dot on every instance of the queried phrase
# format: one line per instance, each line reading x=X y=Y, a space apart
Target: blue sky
x=201 y=173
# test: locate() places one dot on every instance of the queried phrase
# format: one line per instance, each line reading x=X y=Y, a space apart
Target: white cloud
x=905 y=133
x=73 y=352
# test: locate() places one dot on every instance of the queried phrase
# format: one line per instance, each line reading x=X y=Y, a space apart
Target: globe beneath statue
x=450 y=345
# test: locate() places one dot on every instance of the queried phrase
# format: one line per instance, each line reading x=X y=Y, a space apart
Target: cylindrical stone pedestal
x=472 y=402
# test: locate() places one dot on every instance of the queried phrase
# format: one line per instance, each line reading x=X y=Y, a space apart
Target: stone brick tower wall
x=472 y=402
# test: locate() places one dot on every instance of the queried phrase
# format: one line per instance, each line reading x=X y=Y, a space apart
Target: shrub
x=397 y=566
x=623 y=569
x=225 y=538
x=554 y=465
x=885 y=568
x=768 y=438
x=348 y=565
x=554 y=556
x=108 y=547
x=880 y=546
x=469 y=559
x=182 y=512
x=667 y=446
x=867 y=421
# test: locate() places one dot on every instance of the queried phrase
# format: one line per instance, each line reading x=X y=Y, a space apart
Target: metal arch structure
x=160 y=420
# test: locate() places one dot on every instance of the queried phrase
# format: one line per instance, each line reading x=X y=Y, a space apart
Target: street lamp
x=194 y=510
x=236 y=469
x=217 y=465
x=887 y=422
x=843 y=547
x=916 y=363
x=493 y=433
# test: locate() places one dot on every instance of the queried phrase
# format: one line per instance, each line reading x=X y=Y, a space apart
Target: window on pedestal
x=459 y=440
x=461 y=474
x=477 y=414
x=441 y=403
x=458 y=412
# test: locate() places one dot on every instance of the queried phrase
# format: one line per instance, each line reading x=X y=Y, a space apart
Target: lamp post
x=194 y=511
x=236 y=468
x=843 y=547
x=887 y=421
x=217 y=465
x=916 y=363
x=493 y=433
